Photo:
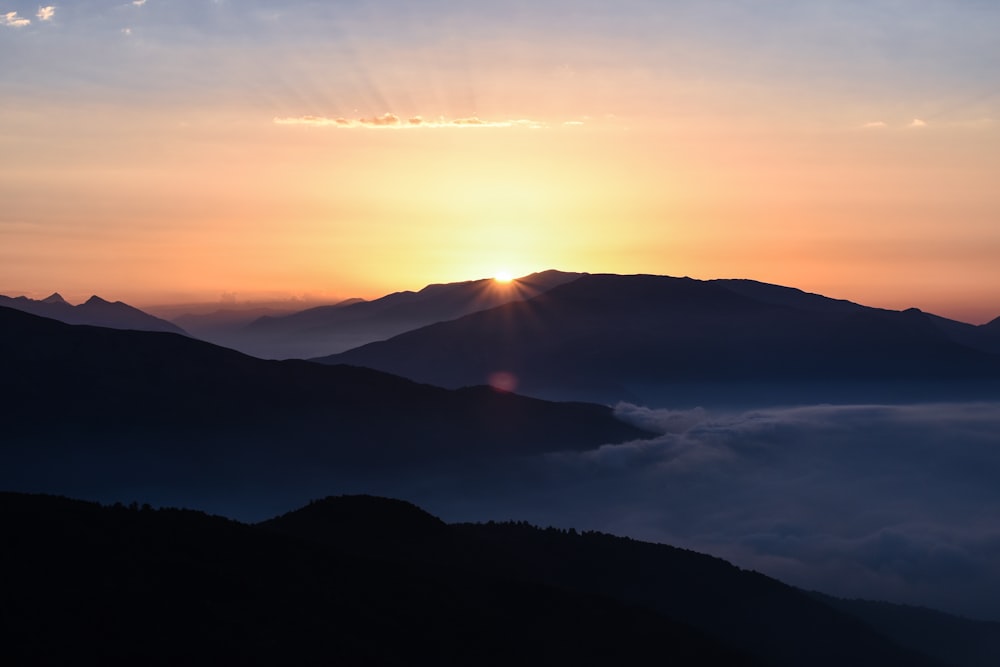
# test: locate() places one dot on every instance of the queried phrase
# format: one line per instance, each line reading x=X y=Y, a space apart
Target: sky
x=193 y=150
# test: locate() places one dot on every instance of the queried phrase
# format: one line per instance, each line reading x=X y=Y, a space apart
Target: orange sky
x=154 y=156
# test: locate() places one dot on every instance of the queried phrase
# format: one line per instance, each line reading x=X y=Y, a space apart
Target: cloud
x=11 y=19
x=385 y=120
x=391 y=120
x=916 y=122
x=874 y=124
x=138 y=3
x=317 y=121
x=894 y=502
x=660 y=421
x=870 y=501
x=46 y=13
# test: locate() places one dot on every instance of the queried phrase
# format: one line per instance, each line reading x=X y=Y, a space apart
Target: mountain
x=985 y=337
x=334 y=328
x=94 y=412
x=226 y=322
x=679 y=340
x=94 y=311
x=775 y=623
x=113 y=585
x=364 y=580
x=952 y=640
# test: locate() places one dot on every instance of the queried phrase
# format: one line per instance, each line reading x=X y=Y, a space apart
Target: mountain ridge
x=95 y=311
x=367 y=568
x=346 y=324
x=171 y=411
x=605 y=337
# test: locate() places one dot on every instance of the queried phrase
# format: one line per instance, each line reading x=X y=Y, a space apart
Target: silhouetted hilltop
x=611 y=337
x=114 y=585
x=368 y=580
x=100 y=409
x=95 y=311
x=776 y=623
x=338 y=327
x=369 y=525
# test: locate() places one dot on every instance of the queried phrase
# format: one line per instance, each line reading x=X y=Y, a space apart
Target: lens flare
x=503 y=381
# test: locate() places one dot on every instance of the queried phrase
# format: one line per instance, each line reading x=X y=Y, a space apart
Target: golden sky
x=175 y=151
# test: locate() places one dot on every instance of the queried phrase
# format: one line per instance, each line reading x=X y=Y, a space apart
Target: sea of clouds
x=894 y=502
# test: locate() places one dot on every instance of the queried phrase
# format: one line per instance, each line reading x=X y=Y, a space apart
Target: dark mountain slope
x=776 y=623
x=95 y=311
x=338 y=327
x=107 y=408
x=609 y=337
x=985 y=337
x=110 y=585
x=787 y=296
x=949 y=639
x=221 y=322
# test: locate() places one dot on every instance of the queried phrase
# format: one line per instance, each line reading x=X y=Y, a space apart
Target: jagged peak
x=94 y=299
x=55 y=297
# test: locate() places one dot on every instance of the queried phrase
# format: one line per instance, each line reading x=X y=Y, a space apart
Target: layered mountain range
x=337 y=327
x=91 y=410
x=118 y=413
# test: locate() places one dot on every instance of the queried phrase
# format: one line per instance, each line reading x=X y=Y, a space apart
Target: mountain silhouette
x=367 y=580
x=94 y=311
x=89 y=410
x=952 y=640
x=223 y=325
x=114 y=585
x=775 y=623
x=642 y=338
x=326 y=329
x=55 y=298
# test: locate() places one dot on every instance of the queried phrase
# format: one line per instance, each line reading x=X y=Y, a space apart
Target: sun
x=503 y=276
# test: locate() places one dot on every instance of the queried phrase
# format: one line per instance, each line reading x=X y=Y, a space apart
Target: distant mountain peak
x=55 y=297
x=94 y=312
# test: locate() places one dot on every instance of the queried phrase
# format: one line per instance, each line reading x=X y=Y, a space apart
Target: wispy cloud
x=46 y=13
x=874 y=124
x=916 y=122
x=12 y=20
x=138 y=3
x=391 y=120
